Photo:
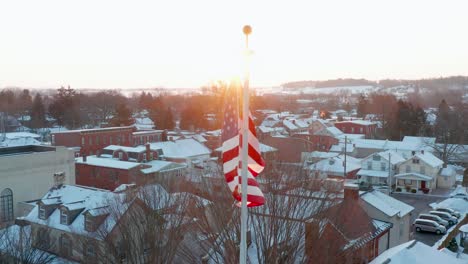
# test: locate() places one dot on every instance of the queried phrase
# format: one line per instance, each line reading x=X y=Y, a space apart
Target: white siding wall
x=30 y=176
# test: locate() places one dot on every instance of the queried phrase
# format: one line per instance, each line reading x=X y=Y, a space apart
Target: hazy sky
x=174 y=43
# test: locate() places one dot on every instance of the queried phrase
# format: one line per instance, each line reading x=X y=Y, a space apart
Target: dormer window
x=415 y=161
x=64 y=217
x=42 y=212
x=120 y=155
x=376 y=157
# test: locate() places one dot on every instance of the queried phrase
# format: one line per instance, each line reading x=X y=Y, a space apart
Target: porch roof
x=413 y=176
x=373 y=173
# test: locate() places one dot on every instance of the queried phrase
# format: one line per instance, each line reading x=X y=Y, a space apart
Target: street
x=421 y=202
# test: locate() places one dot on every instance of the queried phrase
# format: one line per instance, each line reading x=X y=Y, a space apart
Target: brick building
x=358 y=127
x=91 y=141
x=357 y=238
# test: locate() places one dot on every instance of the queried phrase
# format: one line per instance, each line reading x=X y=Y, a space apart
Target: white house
x=378 y=168
x=385 y=208
x=418 y=173
x=447 y=177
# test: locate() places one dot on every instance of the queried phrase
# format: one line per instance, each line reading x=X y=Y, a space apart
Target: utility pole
x=344 y=164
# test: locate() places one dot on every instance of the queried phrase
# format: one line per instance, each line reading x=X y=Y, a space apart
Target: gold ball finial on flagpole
x=247 y=29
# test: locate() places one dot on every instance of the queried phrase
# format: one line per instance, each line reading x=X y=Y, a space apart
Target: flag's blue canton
x=230 y=124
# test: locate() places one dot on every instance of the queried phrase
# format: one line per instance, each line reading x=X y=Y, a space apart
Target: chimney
x=413 y=153
x=351 y=191
x=148 y=151
x=84 y=157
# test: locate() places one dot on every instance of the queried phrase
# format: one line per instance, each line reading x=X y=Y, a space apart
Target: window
x=82 y=141
x=369 y=165
x=65 y=245
x=97 y=140
x=120 y=155
x=383 y=167
x=90 y=141
x=408 y=168
x=415 y=161
x=42 y=239
x=6 y=205
x=422 y=169
x=144 y=156
x=89 y=223
x=151 y=156
x=53 y=139
x=352 y=130
x=110 y=140
x=64 y=217
x=42 y=212
x=408 y=182
x=361 y=130
x=89 y=250
x=376 y=157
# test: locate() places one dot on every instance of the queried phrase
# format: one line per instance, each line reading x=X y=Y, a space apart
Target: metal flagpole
x=245 y=132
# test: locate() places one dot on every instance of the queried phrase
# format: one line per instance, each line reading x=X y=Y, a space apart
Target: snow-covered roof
x=106 y=162
x=351 y=136
x=341 y=146
x=413 y=176
x=90 y=198
x=20 y=141
x=265 y=148
x=183 y=148
x=415 y=252
x=289 y=125
x=93 y=129
x=161 y=165
x=13 y=135
x=335 y=165
x=387 y=204
x=373 y=173
x=419 y=140
x=319 y=154
x=449 y=171
x=429 y=159
x=359 y=122
x=126 y=149
x=334 y=131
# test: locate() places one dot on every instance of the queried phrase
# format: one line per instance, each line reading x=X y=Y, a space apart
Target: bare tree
x=17 y=246
x=150 y=226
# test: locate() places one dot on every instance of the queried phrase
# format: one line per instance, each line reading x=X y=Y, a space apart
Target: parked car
x=429 y=225
x=446 y=216
x=460 y=195
x=450 y=211
x=434 y=218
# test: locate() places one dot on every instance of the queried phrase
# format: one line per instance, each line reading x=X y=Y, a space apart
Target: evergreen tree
x=363 y=106
x=66 y=108
x=37 y=112
x=122 y=117
x=24 y=102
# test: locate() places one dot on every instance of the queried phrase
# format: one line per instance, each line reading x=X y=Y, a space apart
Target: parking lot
x=421 y=205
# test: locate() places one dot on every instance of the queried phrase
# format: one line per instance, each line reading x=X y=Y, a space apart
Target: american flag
x=232 y=142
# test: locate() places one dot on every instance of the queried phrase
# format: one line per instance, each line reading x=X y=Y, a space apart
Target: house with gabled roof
x=379 y=168
x=85 y=224
x=386 y=208
x=418 y=173
x=356 y=236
